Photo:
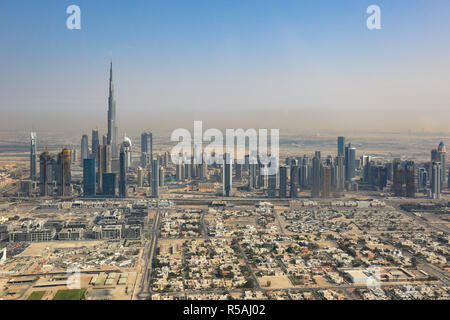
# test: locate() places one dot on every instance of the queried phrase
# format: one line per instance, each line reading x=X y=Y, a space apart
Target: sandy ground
x=38 y=248
x=276 y=282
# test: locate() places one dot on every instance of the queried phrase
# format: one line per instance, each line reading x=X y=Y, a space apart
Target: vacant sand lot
x=38 y=248
x=276 y=282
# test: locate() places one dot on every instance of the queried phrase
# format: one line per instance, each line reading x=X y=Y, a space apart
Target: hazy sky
x=302 y=65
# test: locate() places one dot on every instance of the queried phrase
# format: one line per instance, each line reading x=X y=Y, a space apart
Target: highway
x=144 y=290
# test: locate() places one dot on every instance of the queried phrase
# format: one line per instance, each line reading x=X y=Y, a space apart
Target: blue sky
x=230 y=63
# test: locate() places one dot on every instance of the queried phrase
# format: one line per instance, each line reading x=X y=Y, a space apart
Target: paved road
x=279 y=223
x=144 y=291
x=205 y=229
x=244 y=256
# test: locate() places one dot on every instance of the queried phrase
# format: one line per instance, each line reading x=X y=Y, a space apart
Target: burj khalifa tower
x=112 y=128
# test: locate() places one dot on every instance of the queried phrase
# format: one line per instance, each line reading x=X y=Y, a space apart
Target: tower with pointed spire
x=112 y=125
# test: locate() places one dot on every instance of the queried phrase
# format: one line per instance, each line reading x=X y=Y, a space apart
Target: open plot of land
x=276 y=282
x=71 y=294
x=38 y=248
x=36 y=295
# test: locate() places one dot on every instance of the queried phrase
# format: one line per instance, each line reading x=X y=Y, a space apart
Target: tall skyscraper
x=316 y=170
x=109 y=184
x=84 y=147
x=33 y=157
x=340 y=173
x=238 y=167
x=63 y=182
x=410 y=179
x=326 y=183
x=45 y=174
x=103 y=165
x=203 y=170
x=423 y=179
x=89 y=177
x=350 y=163
x=179 y=172
x=127 y=146
x=442 y=154
x=263 y=176
x=155 y=178
x=94 y=145
x=341 y=144
x=294 y=178
x=227 y=175
x=112 y=124
x=146 y=148
x=272 y=187
x=283 y=182
x=123 y=174
x=397 y=184
x=436 y=180
x=140 y=177
x=252 y=176
x=161 y=176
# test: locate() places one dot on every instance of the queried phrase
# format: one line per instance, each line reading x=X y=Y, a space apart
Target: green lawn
x=73 y=294
x=36 y=295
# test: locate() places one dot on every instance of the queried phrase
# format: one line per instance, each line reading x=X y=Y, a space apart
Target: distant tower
x=161 y=176
x=33 y=157
x=155 y=178
x=64 y=175
x=95 y=143
x=410 y=179
x=283 y=182
x=252 y=178
x=122 y=174
x=140 y=177
x=146 y=148
x=326 y=183
x=423 y=178
x=294 y=179
x=442 y=152
x=341 y=144
x=179 y=172
x=89 y=177
x=340 y=173
x=45 y=173
x=84 y=147
x=436 y=180
x=238 y=167
x=397 y=184
x=109 y=184
x=112 y=124
x=103 y=165
x=272 y=188
x=126 y=144
x=350 y=155
x=316 y=170
x=227 y=175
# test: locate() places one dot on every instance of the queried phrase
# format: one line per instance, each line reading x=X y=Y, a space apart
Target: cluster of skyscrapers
x=105 y=166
